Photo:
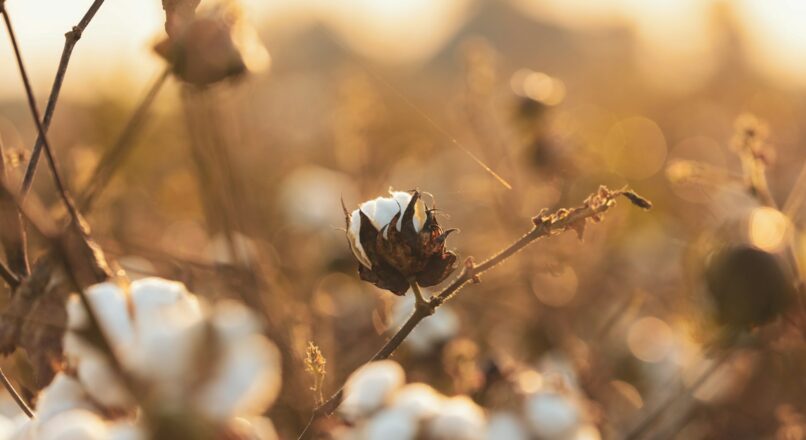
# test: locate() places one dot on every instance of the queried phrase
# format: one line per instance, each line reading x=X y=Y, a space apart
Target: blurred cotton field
x=388 y=219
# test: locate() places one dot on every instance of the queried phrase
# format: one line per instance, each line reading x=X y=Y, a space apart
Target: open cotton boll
x=7 y=427
x=76 y=424
x=505 y=426
x=232 y=320
x=380 y=212
x=246 y=380
x=391 y=424
x=552 y=415
x=418 y=399
x=63 y=393
x=369 y=387
x=101 y=382
x=459 y=418
x=110 y=305
x=440 y=327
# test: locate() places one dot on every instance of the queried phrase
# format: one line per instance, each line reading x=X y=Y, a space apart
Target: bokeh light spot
x=768 y=229
x=635 y=147
x=650 y=339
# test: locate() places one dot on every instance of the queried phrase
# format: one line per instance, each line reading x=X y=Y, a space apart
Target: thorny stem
x=70 y=40
x=418 y=294
x=113 y=157
x=35 y=112
x=15 y=395
x=544 y=226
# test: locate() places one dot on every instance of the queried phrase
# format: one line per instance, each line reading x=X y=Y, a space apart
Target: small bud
x=396 y=239
x=637 y=200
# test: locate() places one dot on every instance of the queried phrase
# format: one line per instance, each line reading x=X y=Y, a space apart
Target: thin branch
x=113 y=157
x=12 y=232
x=70 y=40
x=544 y=226
x=15 y=395
x=35 y=112
x=8 y=276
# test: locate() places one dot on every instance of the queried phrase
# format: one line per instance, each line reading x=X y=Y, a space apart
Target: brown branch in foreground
x=15 y=395
x=70 y=40
x=8 y=276
x=35 y=113
x=545 y=225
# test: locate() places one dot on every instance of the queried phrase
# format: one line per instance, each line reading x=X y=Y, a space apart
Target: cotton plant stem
x=70 y=40
x=112 y=159
x=12 y=232
x=544 y=226
x=15 y=395
x=35 y=113
x=8 y=276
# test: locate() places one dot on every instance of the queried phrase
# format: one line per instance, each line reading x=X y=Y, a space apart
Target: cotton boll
x=168 y=337
x=458 y=419
x=505 y=426
x=77 y=424
x=391 y=424
x=7 y=428
x=380 y=212
x=233 y=321
x=369 y=387
x=247 y=380
x=63 y=393
x=440 y=327
x=110 y=305
x=552 y=415
x=125 y=431
x=418 y=399
x=150 y=294
x=102 y=383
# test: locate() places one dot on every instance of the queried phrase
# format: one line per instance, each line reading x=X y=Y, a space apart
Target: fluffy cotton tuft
x=505 y=426
x=552 y=415
x=458 y=419
x=380 y=212
x=159 y=331
x=369 y=387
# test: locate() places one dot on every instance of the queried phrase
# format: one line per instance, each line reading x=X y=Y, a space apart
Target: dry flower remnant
x=315 y=365
x=398 y=241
